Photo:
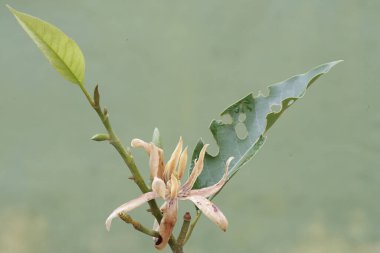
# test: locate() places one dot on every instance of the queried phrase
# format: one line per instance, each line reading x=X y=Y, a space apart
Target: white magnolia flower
x=167 y=185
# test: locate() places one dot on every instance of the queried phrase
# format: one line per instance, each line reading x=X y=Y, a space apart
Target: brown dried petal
x=161 y=164
x=174 y=187
x=198 y=167
x=182 y=164
x=173 y=161
x=167 y=223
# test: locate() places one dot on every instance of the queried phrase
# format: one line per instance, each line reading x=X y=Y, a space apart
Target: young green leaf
x=61 y=51
x=254 y=115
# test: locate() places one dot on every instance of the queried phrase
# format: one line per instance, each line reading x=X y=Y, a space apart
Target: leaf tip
x=9 y=8
x=336 y=62
x=13 y=10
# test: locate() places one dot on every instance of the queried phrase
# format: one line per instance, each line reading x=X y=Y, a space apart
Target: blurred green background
x=176 y=65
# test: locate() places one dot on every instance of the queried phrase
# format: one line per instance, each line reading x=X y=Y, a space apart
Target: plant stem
x=137 y=225
x=178 y=250
x=185 y=227
x=125 y=155
x=192 y=225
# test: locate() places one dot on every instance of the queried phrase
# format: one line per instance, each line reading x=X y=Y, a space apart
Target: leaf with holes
x=255 y=115
x=61 y=51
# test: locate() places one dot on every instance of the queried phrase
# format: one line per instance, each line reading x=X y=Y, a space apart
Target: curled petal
x=159 y=187
x=211 y=190
x=174 y=186
x=156 y=226
x=129 y=206
x=167 y=223
x=161 y=164
x=154 y=160
x=182 y=163
x=210 y=210
x=137 y=143
x=173 y=161
x=198 y=167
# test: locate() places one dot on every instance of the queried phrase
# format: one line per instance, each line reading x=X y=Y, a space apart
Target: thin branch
x=192 y=225
x=125 y=155
x=137 y=225
x=184 y=229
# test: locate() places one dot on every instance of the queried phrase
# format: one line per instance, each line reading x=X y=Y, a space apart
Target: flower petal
x=210 y=210
x=198 y=167
x=154 y=160
x=167 y=224
x=161 y=164
x=137 y=143
x=156 y=225
x=211 y=190
x=159 y=187
x=129 y=206
x=174 y=187
x=173 y=161
x=182 y=163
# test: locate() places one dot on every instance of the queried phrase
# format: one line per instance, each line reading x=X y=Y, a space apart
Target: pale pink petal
x=137 y=143
x=210 y=210
x=159 y=187
x=156 y=225
x=211 y=190
x=154 y=160
x=167 y=224
x=129 y=206
x=198 y=167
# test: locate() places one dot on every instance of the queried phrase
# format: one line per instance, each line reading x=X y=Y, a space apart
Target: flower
x=166 y=184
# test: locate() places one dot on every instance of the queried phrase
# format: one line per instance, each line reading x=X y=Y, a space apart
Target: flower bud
x=96 y=96
x=100 y=137
x=156 y=138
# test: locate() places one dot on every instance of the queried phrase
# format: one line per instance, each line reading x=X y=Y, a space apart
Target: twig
x=192 y=225
x=138 y=226
x=184 y=229
x=125 y=155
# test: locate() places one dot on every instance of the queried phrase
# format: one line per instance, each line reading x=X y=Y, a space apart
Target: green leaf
x=61 y=51
x=253 y=116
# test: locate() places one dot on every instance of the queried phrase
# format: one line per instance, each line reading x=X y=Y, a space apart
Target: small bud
x=96 y=96
x=105 y=112
x=156 y=138
x=187 y=216
x=100 y=137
